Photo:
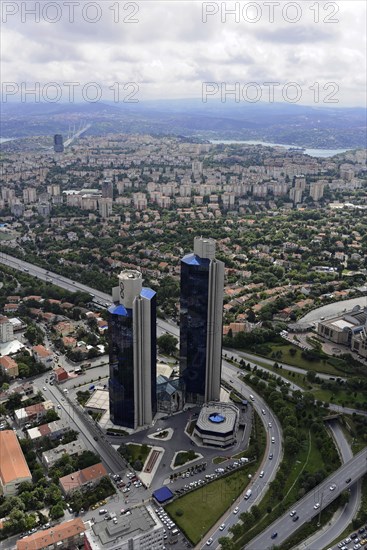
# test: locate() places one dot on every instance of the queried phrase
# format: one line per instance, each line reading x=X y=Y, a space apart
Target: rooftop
x=51 y=537
x=12 y=462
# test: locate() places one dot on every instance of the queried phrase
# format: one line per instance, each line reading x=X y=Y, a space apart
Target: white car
x=209 y=542
x=236 y=510
x=222 y=527
x=270 y=424
x=293 y=513
x=317 y=505
x=332 y=487
x=44 y=388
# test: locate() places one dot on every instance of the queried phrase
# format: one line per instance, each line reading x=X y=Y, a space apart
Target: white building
x=139 y=529
x=6 y=330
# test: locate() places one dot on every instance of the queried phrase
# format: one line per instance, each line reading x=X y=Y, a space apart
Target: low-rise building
x=32 y=413
x=343 y=328
x=67 y=535
x=43 y=355
x=217 y=424
x=8 y=366
x=53 y=430
x=75 y=448
x=82 y=479
x=140 y=529
x=13 y=466
x=60 y=374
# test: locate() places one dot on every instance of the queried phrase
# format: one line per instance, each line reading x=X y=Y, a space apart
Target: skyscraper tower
x=132 y=352
x=58 y=143
x=201 y=317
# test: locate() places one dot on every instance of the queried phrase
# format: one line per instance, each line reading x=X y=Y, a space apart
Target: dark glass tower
x=201 y=314
x=132 y=352
x=58 y=143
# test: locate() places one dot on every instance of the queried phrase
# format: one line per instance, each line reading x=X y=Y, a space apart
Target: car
x=222 y=527
x=62 y=399
x=317 y=506
x=271 y=456
x=296 y=518
x=51 y=383
x=348 y=480
x=44 y=388
x=262 y=473
x=293 y=513
x=263 y=411
x=274 y=535
x=59 y=406
x=236 y=510
x=270 y=425
x=357 y=546
x=46 y=380
x=209 y=542
x=332 y=487
x=95 y=438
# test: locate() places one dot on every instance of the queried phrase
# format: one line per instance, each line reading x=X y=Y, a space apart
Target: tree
x=167 y=344
x=56 y=511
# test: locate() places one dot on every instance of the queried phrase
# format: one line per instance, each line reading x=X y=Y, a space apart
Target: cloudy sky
x=169 y=48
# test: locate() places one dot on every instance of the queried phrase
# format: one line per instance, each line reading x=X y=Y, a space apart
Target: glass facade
x=121 y=382
x=194 y=325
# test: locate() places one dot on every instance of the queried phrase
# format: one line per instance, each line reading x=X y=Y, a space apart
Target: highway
x=284 y=526
x=344 y=516
x=257 y=485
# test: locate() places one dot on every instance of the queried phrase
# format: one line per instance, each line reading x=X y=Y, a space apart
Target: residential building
x=132 y=352
x=201 y=317
x=105 y=207
x=53 y=430
x=6 y=330
x=43 y=355
x=33 y=413
x=13 y=466
x=139 y=529
x=8 y=366
x=53 y=455
x=82 y=479
x=66 y=535
x=317 y=190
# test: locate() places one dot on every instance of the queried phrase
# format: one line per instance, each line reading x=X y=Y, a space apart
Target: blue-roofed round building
x=217 y=425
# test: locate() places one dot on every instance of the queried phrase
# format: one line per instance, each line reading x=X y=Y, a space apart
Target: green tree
x=167 y=344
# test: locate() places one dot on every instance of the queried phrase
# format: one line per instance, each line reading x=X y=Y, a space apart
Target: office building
x=201 y=316
x=139 y=528
x=132 y=352
x=58 y=143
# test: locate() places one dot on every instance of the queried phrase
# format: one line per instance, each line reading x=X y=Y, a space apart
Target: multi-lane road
x=313 y=503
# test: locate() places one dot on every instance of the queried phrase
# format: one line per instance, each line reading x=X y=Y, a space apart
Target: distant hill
x=315 y=127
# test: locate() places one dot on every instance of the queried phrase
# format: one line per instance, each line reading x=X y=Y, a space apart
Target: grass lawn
x=298 y=361
x=196 y=512
x=340 y=398
x=138 y=452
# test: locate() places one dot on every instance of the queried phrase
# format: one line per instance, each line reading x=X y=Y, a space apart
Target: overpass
x=312 y=503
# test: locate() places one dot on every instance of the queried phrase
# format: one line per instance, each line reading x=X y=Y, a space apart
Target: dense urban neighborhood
x=115 y=252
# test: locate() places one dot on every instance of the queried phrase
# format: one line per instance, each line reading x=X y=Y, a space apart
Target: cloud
x=170 y=51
